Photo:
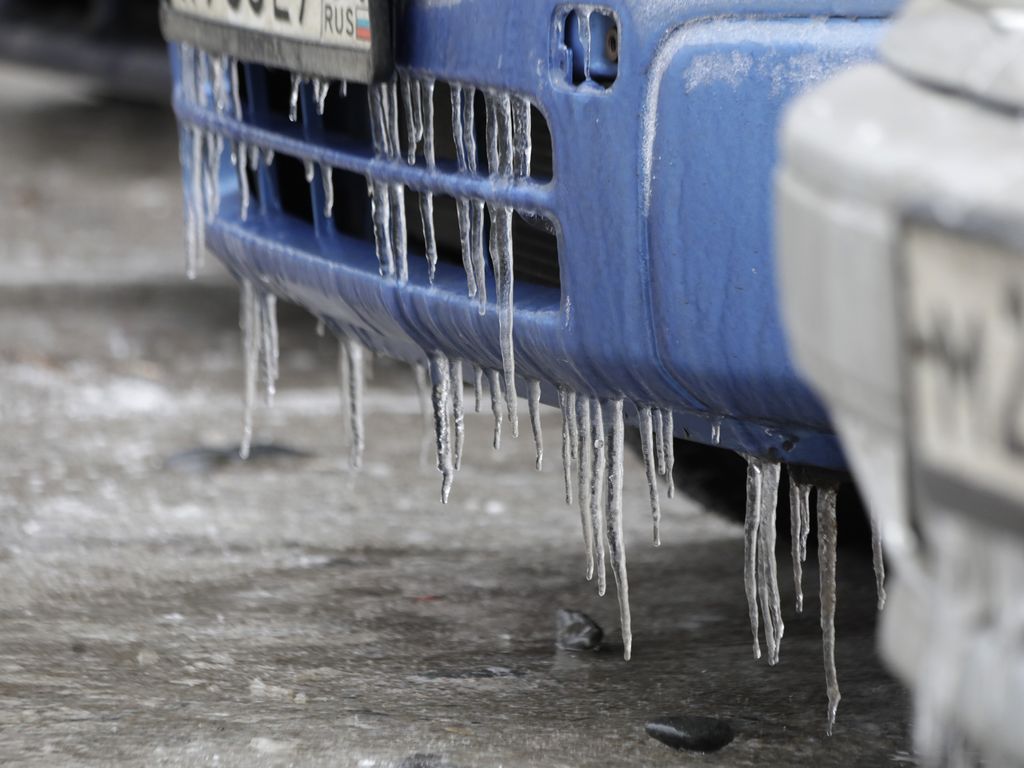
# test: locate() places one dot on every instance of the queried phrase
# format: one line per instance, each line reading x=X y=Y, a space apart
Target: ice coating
x=647 y=449
x=597 y=485
x=800 y=527
x=583 y=17
x=827 y=536
x=522 y=121
x=458 y=412
x=440 y=376
x=877 y=561
x=584 y=478
x=538 y=435
x=613 y=521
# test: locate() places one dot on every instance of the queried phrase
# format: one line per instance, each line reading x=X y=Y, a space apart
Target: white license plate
x=965 y=363
x=344 y=39
x=345 y=24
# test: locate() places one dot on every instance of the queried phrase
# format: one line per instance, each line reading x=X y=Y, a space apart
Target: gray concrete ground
x=157 y=611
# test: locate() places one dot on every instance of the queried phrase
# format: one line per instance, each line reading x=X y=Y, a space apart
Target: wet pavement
x=166 y=605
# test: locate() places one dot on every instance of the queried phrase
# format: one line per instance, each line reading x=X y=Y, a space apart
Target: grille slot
x=346 y=126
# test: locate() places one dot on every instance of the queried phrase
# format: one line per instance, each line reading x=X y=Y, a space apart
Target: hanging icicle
x=440 y=376
x=827 y=537
x=584 y=478
x=647 y=449
x=613 y=521
x=800 y=527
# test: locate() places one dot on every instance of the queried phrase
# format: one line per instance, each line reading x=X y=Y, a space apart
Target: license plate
x=964 y=352
x=338 y=39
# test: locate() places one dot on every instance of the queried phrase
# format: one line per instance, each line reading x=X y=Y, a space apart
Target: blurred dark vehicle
x=115 y=42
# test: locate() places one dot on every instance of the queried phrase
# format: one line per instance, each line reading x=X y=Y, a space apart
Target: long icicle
x=478 y=386
x=597 y=491
x=355 y=359
x=616 y=543
x=458 y=412
x=538 y=434
x=495 y=382
x=584 y=478
x=670 y=453
x=877 y=561
x=567 y=417
x=769 y=575
x=647 y=449
x=658 y=418
x=440 y=376
x=799 y=525
x=827 y=537
x=251 y=324
x=270 y=343
x=751 y=524
x=426 y=88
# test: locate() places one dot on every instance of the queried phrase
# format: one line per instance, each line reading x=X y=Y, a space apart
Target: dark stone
x=575 y=631
x=691 y=732
x=77 y=646
x=204 y=460
x=420 y=760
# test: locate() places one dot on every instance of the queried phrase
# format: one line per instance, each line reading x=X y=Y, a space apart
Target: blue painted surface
x=667 y=281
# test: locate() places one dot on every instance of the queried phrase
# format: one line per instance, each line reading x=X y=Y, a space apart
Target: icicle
x=568 y=419
x=251 y=324
x=716 y=432
x=597 y=489
x=877 y=561
x=670 y=453
x=293 y=99
x=268 y=157
x=574 y=438
x=426 y=96
x=399 y=235
x=429 y=234
x=538 y=435
x=413 y=122
x=495 y=379
x=255 y=156
x=647 y=448
x=195 y=243
x=211 y=176
x=203 y=86
x=321 y=327
x=236 y=88
x=271 y=344
x=440 y=376
x=343 y=87
x=827 y=535
x=380 y=206
x=583 y=18
x=800 y=526
x=523 y=136
x=353 y=376
x=241 y=163
x=476 y=253
x=659 y=438
x=327 y=176
x=478 y=385
x=458 y=411
x=462 y=208
x=768 y=577
x=501 y=263
x=458 y=130
x=751 y=524
x=613 y=521
x=469 y=127
x=321 y=88
x=584 y=478
x=220 y=97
